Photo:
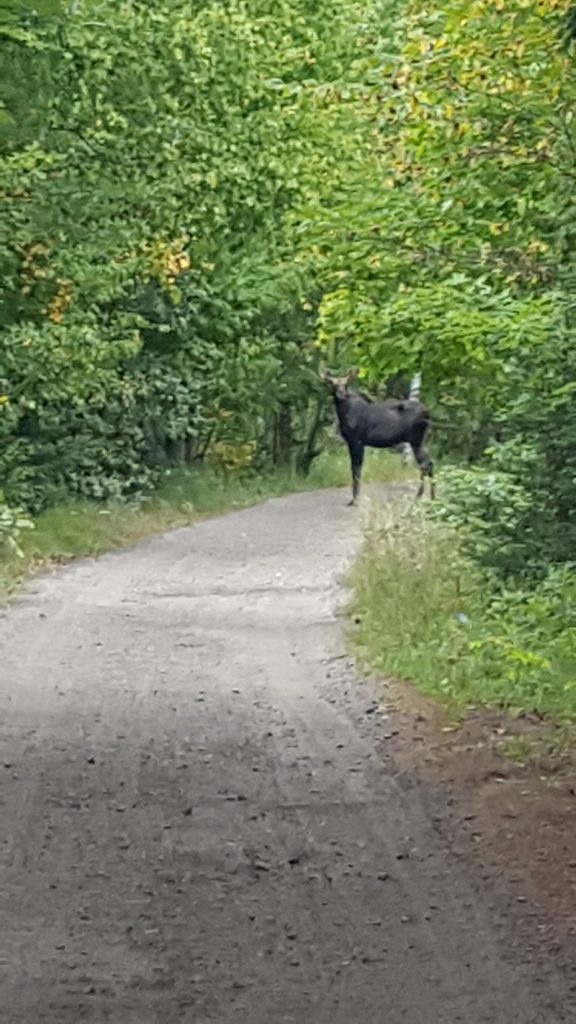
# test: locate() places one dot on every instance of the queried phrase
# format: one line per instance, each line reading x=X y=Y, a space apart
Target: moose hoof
x=351 y=503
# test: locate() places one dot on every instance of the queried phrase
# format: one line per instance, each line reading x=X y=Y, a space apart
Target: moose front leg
x=356 y=460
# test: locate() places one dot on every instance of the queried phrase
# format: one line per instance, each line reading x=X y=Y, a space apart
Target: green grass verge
x=78 y=529
x=422 y=611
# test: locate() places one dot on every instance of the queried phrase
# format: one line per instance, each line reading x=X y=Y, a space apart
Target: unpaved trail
x=194 y=822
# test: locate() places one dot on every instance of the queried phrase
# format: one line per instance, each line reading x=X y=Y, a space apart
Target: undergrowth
x=425 y=611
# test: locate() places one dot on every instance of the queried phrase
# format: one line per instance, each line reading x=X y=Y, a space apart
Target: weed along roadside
x=476 y=681
x=426 y=611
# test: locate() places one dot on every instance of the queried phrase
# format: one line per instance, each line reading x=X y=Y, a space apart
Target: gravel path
x=194 y=822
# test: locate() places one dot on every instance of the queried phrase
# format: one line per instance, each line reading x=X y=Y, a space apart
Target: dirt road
x=194 y=822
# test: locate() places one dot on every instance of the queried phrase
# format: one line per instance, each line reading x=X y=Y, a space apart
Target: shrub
x=426 y=611
x=12 y=523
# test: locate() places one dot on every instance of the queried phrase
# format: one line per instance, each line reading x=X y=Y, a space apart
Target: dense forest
x=202 y=202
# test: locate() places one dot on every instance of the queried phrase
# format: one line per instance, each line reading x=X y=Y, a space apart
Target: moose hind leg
x=356 y=460
x=426 y=468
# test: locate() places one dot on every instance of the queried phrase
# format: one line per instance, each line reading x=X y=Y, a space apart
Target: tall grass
x=412 y=595
x=423 y=611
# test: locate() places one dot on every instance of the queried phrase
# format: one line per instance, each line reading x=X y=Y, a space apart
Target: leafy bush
x=495 y=513
x=524 y=646
x=516 y=511
x=487 y=511
x=425 y=611
x=12 y=523
x=151 y=305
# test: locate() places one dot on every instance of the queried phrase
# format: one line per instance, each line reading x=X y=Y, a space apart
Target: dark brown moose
x=364 y=421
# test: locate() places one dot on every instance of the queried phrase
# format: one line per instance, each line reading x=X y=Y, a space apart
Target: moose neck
x=342 y=406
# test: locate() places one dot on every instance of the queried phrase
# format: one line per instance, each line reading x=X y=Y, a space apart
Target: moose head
x=339 y=385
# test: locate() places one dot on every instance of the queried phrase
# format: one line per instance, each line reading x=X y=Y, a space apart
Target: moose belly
x=384 y=438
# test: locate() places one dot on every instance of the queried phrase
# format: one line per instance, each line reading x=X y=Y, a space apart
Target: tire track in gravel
x=195 y=826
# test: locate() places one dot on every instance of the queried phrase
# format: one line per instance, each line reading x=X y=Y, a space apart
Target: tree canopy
x=202 y=202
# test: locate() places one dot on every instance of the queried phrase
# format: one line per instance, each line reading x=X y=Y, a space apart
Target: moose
x=363 y=421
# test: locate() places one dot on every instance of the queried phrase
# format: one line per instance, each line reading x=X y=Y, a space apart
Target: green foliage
x=27 y=30
x=423 y=610
x=492 y=512
x=446 y=242
x=543 y=424
x=151 y=305
x=516 y=513
x=13 y=522
x=407 y=601
x=525 y=647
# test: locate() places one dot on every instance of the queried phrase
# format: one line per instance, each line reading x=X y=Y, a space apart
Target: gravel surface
x=195 y=823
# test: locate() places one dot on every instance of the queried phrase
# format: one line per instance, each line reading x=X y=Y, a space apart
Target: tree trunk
x=308 y=452
x=283 y=436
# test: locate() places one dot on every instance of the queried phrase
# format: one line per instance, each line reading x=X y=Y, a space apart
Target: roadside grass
x=184 y=496
x=424 y=612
